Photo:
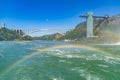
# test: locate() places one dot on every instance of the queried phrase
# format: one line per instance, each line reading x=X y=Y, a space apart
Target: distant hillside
x=108 y=31
x=55 y=36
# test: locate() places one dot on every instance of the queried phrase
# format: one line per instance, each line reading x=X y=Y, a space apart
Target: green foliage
x=8 y=34
x=46 y=37
x=26 y=38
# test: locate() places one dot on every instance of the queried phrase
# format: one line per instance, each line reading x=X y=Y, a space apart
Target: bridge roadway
x=28 y=31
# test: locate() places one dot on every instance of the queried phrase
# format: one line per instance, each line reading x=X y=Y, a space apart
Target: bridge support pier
x=89 y=24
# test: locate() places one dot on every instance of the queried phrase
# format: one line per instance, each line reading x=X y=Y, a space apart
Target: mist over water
x=64 y=63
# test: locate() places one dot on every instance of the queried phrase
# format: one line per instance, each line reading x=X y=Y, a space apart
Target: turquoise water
x=64 y=63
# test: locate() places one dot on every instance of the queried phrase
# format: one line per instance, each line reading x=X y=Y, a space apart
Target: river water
x=52 y=60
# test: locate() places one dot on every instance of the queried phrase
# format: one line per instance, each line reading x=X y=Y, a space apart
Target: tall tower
x=3 y=25
x=90 y=17
x=89 y=24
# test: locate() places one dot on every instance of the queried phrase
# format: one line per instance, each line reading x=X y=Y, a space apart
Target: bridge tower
x=89 y=20
x=89 y=24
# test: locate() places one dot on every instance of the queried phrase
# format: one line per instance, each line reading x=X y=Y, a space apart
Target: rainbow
x=111 y=33
x=9 y=68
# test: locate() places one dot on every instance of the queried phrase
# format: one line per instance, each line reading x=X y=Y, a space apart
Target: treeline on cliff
x=8 y=35
x=11 y=35
x=45 y=37
x=102 y=28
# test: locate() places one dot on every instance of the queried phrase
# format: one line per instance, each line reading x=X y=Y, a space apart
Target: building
x=3 y=25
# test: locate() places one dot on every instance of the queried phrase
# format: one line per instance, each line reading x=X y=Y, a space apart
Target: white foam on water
x=111 y=60
x=78 y=50
x=62 y=60
x=104 y=70
x=22 y=42
x=84 y=73
x=117 y=43
x=57 y=50
x=57 y=78
x=101 y=65
x=64 y=53
x=107 y=59
x=91 y=77
x=70 y=56
x=75 y=54
x=54 y=78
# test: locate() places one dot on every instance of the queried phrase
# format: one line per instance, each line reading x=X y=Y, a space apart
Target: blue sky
x=52 y=13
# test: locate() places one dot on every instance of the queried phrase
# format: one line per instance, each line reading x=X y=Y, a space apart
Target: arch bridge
x=89 y=26
x=29 y=31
